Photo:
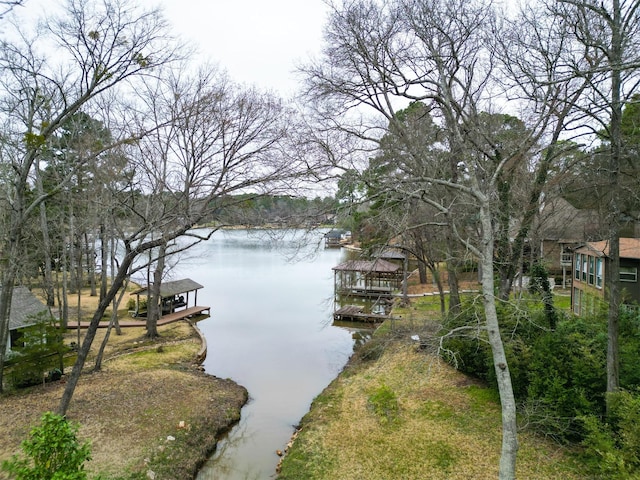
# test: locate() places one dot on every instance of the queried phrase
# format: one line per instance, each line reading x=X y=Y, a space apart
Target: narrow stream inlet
x=271 y=331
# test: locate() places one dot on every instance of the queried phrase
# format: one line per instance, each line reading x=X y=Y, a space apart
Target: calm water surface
x=270 y=331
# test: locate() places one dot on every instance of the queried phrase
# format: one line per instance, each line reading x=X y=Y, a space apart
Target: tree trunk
x=113 y=323
x=452 y=272
x=64 y=305
x=454 y=291
x=501 y=366
x=46 y=243
x=113 y=275
x=443 y=296
x=615 y=213
x=104 y=260
x=83 y=350
x=422 y=272
x=46 y=253
x=153 y=314
x=90 y=249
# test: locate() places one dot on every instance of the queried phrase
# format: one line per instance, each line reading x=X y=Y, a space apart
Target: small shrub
x=384 y=404
x=52 y=452
x=370 y=351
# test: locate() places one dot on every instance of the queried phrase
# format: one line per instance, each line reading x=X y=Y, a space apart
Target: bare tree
x=381 y=55
x=215 y=139
x=100 y=45
x=7 y=5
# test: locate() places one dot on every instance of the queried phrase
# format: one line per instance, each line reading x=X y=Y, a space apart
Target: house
x=25 y=310
x=590 y=265
x=561 y=228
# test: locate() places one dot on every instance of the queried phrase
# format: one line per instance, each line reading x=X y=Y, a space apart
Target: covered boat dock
x=175 y=296
x=367 y=278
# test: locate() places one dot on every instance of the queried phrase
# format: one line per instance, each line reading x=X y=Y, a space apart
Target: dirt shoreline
x=150 y=409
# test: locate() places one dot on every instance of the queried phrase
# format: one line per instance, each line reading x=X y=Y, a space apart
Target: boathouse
x=367 y=278
x=336 y=238
x=174 y=295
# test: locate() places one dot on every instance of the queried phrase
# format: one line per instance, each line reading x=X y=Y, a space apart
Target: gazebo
x=367 y=278
x=173 y=295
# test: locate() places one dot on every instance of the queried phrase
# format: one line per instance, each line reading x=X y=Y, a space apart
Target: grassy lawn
x=399 y=412
x=146 y=391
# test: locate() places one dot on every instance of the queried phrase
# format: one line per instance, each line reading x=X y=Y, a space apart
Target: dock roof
x=176 y=287
x=367 y=266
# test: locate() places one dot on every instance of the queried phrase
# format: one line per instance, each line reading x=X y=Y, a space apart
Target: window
x=628 y=274
x=591 y=270
x=599 y=272
x=577 y=274
x=584 y=268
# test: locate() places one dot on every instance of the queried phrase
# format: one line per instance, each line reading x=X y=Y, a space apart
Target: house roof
x=24 y=305
x=368 y=266
x=629 y=247
x=561 y=221
x=176 y=287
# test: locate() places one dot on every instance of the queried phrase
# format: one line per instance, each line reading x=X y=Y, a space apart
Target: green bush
x=470 y=350
x=41 y=355
x=558 y=376
x=131 y=304
x=613 y=448
x=52 y=452
x=567 y=376
x=629 y=349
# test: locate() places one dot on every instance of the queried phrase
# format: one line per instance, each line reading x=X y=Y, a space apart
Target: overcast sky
x=257 y=41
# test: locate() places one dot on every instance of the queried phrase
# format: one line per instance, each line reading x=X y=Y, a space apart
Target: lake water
x=271 y=331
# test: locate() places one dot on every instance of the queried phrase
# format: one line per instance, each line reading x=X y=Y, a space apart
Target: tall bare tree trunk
x=615 y=213
x=64 y=304
x=90 y=334
x=503 y=376
x=90 y=250
x=112 y=323
x=113 y=276
x=104 y=260
x=46 y=253
x=154 y=308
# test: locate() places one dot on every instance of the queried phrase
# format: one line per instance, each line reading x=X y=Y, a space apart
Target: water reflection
x=270 y=330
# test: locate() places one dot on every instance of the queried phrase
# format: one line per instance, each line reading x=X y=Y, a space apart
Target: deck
x=356 y=313
x=368 y=291
x=164 y=320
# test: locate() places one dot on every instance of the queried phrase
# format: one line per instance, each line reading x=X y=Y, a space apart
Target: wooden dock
x=356 y=313
x=164 y=320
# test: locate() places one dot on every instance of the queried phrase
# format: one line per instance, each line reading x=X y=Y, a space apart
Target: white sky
x=257 y=42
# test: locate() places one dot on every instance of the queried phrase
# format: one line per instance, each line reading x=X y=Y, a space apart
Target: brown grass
x=447 y=427
x=127 y=410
